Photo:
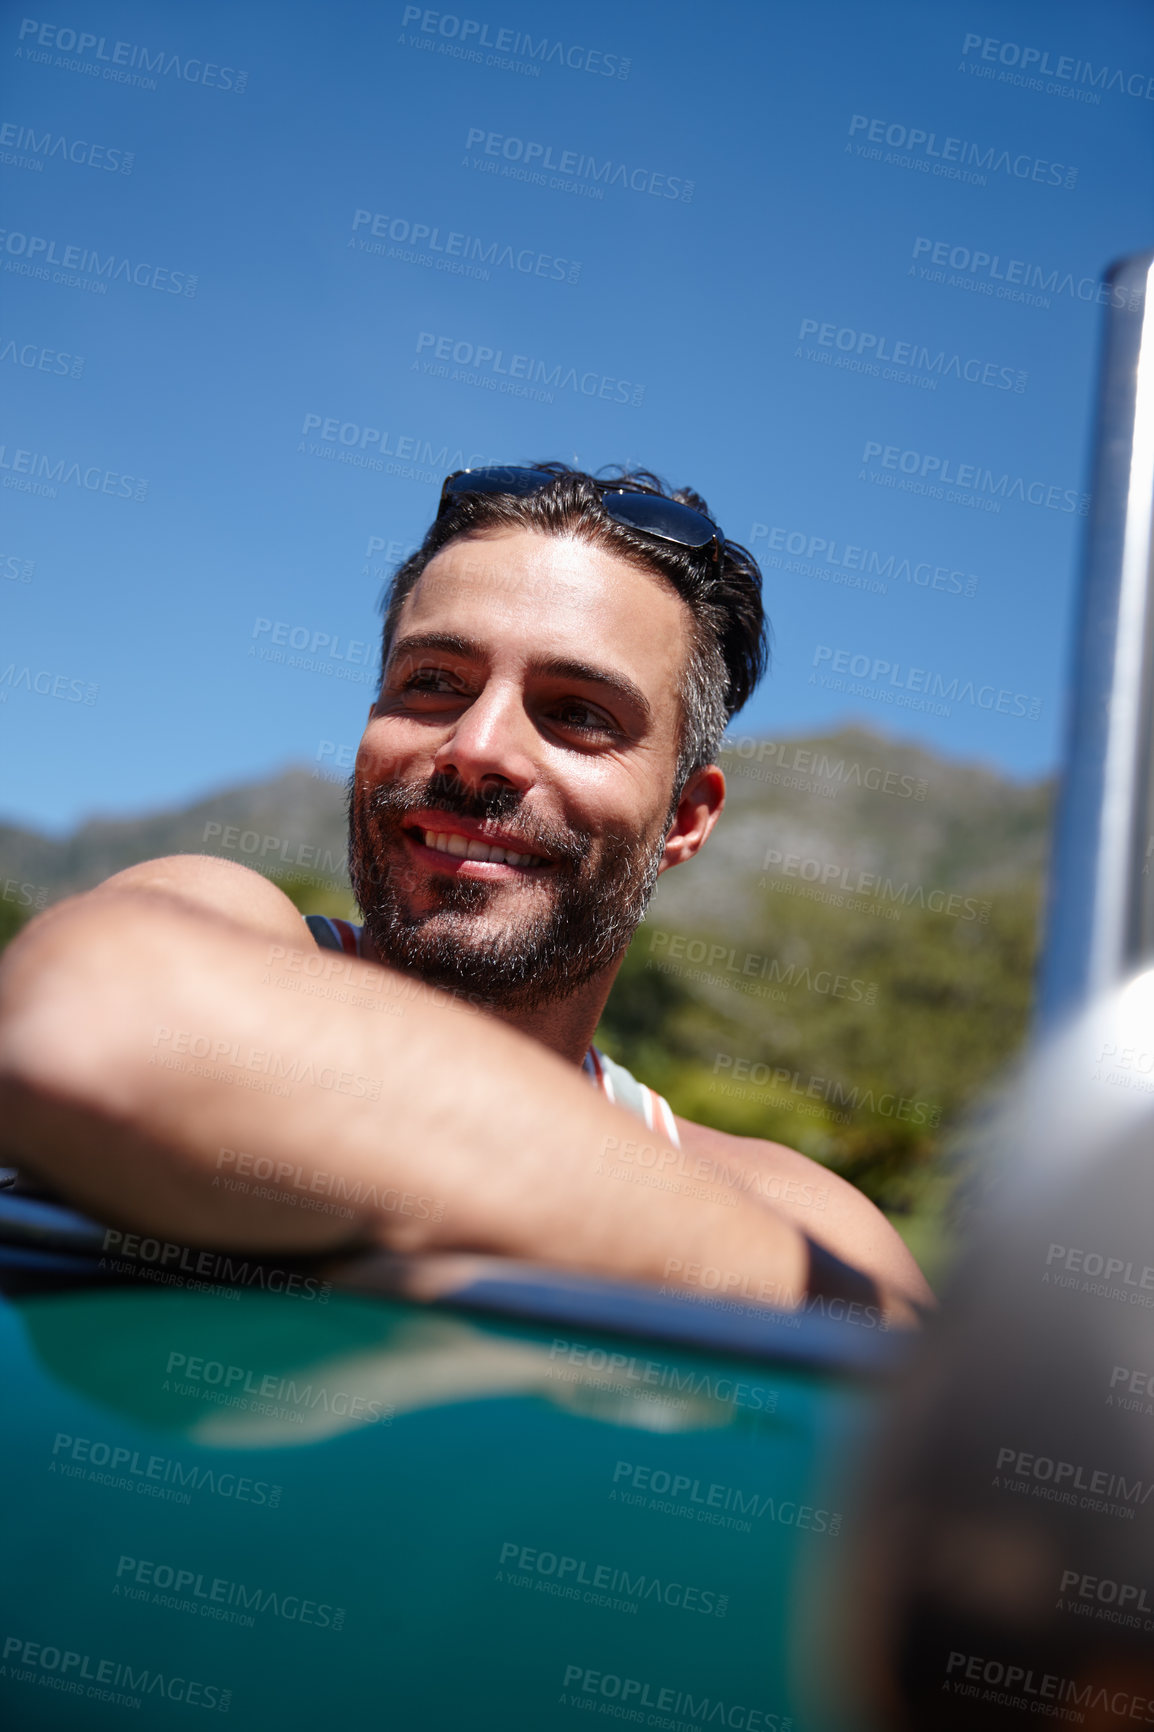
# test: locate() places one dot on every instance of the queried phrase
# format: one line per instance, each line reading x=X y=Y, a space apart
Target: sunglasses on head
x=648 y=513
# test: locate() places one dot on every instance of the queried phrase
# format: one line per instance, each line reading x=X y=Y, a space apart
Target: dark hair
x=729 y=648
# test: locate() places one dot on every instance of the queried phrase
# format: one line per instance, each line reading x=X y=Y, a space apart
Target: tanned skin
x=556 y=677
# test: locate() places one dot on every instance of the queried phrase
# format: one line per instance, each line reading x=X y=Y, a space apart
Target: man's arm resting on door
x=155 y=1031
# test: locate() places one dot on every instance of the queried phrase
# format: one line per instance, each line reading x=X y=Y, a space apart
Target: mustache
x=392 y=803
x=595 y=898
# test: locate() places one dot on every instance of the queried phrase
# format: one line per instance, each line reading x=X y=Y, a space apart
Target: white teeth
x=468 y=848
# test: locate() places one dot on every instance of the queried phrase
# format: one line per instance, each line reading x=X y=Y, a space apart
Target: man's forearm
x=163 y=1067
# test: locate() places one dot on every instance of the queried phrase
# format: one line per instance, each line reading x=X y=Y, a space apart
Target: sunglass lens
x=663 y=517
x=499 y=479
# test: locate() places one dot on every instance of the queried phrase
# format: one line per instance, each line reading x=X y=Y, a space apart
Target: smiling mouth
x=460 y=847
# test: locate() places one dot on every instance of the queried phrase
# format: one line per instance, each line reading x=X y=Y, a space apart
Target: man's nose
x=494 y=739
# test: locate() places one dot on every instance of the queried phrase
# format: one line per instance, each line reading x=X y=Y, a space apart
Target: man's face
x=511 y=792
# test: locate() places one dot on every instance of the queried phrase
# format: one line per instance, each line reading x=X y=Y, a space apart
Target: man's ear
x=698 y=810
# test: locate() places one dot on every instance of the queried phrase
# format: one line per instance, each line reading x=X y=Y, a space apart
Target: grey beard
x=594 y=912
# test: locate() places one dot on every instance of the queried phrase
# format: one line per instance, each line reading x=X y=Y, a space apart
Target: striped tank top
x=618 y=1085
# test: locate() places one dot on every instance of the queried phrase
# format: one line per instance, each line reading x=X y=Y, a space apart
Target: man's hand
x=855 y=1256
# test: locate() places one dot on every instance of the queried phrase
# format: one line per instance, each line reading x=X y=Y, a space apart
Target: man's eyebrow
x=585 y=674
x=445 y=642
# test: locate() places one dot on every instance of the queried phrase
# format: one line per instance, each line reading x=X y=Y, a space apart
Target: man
x=559 y=661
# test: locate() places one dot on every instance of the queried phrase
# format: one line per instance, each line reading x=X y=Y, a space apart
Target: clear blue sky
x=701 y=300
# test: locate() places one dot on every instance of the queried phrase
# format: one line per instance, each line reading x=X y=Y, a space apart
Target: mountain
x=849 y=962
x=854 y=798
x=291 y=825
x=844 y=967
x=864 y=804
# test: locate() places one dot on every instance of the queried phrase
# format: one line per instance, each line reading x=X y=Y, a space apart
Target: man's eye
x=581 y=718
x=428 y=680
